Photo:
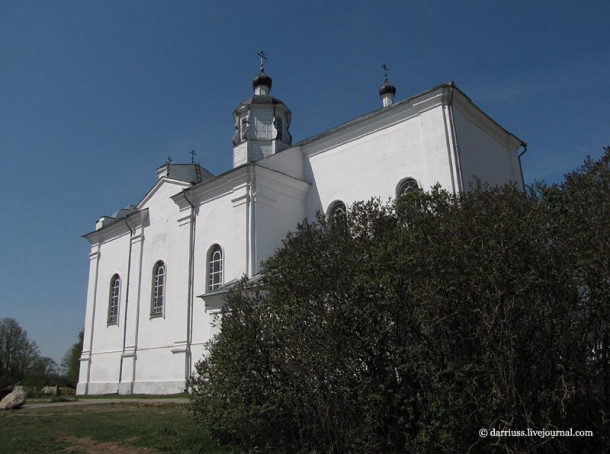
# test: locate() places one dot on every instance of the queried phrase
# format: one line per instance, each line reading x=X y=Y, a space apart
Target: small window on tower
x=279 y=128
x=243 y=128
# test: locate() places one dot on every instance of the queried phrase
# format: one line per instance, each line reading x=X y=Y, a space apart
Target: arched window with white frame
x=113 y=300
x=406 y=185
x=158 y=289
x=215 y=267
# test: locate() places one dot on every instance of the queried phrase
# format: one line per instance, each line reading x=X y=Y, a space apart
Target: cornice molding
x=374 y=122
x=118 y=228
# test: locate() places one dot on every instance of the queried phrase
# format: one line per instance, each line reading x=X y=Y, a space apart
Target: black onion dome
x=261 y=79
x=387 y=87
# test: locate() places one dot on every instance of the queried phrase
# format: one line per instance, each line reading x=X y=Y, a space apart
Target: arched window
x=405 y=186
x=158 y=290
x=243 y=128
x=279 y=128
x=337 y=210
x=215 y=267
x=113 y=301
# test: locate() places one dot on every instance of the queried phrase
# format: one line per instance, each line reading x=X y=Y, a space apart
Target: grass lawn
x=132 y=428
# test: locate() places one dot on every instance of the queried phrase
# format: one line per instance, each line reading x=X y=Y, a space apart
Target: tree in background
x=43 y=372
x=412 y=325
x=21 y=362
x=70 y=364
x=18 y=355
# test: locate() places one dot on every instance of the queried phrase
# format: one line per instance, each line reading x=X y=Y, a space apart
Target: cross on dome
x=261 y=54
x=262 y=79
x=385 y=71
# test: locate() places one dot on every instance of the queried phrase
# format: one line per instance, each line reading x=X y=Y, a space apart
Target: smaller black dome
x=387 y=87
x=261 y=79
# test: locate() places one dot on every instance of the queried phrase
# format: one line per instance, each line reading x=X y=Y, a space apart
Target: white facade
x=155 y=281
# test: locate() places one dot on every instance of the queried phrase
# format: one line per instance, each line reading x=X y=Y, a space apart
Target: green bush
x=412 y=325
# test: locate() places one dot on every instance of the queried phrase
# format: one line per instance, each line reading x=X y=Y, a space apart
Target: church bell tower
x=261 y=122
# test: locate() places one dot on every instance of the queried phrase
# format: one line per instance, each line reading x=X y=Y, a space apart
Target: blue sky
x=95 y=95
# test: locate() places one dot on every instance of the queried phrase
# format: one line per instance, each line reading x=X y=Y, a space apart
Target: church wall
x=85 y=362
x=198 y=349
x=102 y=354
x=113 y=260
x=252 y=151
x=159 y=371
x=289 y=162
x=486 y=150
x=280 y=206
x=361 y=166
x=233 y=232
x=105 y=372
x=104 y=351
x=161 y=339
x=240 y=154
x=221 y=220
x=437 y=150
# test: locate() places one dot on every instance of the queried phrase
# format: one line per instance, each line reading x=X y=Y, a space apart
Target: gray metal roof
x=260 y=99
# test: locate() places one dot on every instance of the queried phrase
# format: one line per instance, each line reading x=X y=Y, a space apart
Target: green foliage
x=70 y=363
x=411 y=325
x=22 y=364
x=18 y=354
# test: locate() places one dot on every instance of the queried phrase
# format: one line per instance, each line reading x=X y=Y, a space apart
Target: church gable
x=173 y=178
x=161 y=192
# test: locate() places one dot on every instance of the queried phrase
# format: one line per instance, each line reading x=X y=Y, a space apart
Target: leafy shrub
x=410 y=326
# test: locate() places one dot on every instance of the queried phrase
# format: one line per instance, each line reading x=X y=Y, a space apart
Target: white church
x=159 y=269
